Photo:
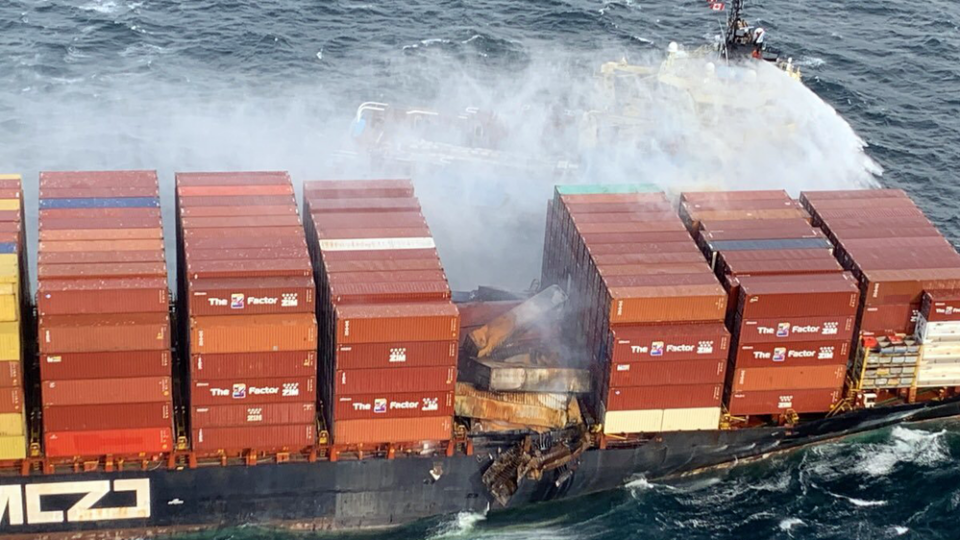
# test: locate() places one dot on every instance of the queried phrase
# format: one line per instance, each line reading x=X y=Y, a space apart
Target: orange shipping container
x=99 y=234
x=290 y=436
x=102 y=245
x=253 y=333
x=212 y=191
x=106 y=391
x=98 y=271
x=87 y=333
x=384 y=323
x=111 y=441
x=789 y=378
x=392 y=430
x=667 y=304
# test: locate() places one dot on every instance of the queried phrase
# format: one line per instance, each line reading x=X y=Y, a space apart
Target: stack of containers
x=13 y=294
x=247 y=301
x=389 y=332
x=938 y=330
x=103 y=306
x=896 y=253
x=645 y=308
x=792 y=336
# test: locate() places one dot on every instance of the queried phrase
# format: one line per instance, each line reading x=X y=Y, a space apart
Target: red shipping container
x=730 y=257
x=856 y=223
x=642 y=215
x=635 y=237
x=393 y=430
x=269 y=414
x=393 y=405
x=906 y=286
x=105 y=365
x=800 y=297
x=147 y=221
x=801 y=353
x=86 y=333
x=254 y=365
x=675 y=342
x=380 y=277
x=106 y=391
x=100 y=179
x=671 y=372
x=395 y=355
x=395 y=204
x=78 y=235
x=756 y=204
x=760 y=233
x=780 y=401
x=637 y=198
x=698 y=278
x=94 y=257
x=252 y=232
x=7 y=216
x=253 y=391
x=653 y=269
x=108 y=442
x=253 y=333
x=941 y=306
x=789 y=378
x=11 y=400
x=784 y=267
x=251 y=296
x=239 y=222
x=377 y=254
x=390 y=323
x=245 y=242
x=237 y=200
x=346 y=189
x=691 y=256
x=250 y=268
x=866 y=212
x=123 y=295
x=233 y=178
x=391 y=292
x=668 y=225
x=896 y=318
x=230 y=211
x=11 y=374
x=199 y=255
x=390 y=380
x=290 y=436
x=747 y=195
x=885 y=232
x=664 y=397
x=96 y=192
x=99 y=213
x=751 y=224
x=795 y=329
x=100 y=417
x=370 y=220
x=228 y=190
x=86 y=246
x=666 y=303
x=387 y=265
x=97 y=271
x=337 y=239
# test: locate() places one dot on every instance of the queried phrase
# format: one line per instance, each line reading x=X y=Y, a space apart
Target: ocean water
x=273 y=84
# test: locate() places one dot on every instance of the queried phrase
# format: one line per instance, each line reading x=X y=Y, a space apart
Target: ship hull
x=376 y=493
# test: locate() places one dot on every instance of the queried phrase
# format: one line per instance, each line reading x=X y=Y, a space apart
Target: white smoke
x=765 y=131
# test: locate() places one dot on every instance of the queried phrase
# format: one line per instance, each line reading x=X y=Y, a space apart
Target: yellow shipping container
x=695 y=419
x=9 y=341
x=10 y=177
x=11 y=424
x=9 y=204
x=14 y=447
x=9 y=303
x=641 y=421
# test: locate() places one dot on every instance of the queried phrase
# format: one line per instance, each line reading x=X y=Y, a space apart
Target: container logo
x=237 y=301
x=786 y=402
x=255 y=414
x=656 y=348
x=830 y=328
x=779 y=354
x=239 y=391
x=289 y=300
x=379 y=406
x=430 y=404
x=398 y=355
x=290 y=389
x=825 y=353
x=705 y=347
x=783 y=329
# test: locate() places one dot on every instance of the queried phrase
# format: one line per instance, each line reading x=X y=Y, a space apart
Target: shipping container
x=395 y=355
x=381 y=276
x=703 y=276
x=11 y=400
x=641 y=248
x=245 y=242
x=893 y=318
x=11 y=374
x=653 y=269
x=250 y=390
x=108 y=416
x=12 y=424
x=106 y=391
x=927 y=231
x=800 y=297
x=268 y=414
x=101 y=245
x=693 y=208
x=746 y=195
x=666 y=303
x=232 y=211
x=789 y=378
x=376 y=243
x=382 y=255
x=150 y=220
x=906 y=286
x=941 y=306
x=370 y=220
x=105 y=270
x=185 y=192
x=254 y=365
x=780 y=401
x=664 y=223
x=131 y=202
x=389 y=323
x=291 y=437
x=100 y=179
x=90 y=215
x=391 y=380
x=99 y=257
x=198 y=255
x=691 y=256
x=634 y=237
x=799 y=353
x=774 y=244
x=105 y=365
x=389 y=292
x=866 y=211
x=240 y=222
x=99 y=192
x=108 y=442
x=395 y=204
x=237 y=200
x=418 y=404
x=263 y=295
x=672 y=372
x=699 y=419
x=108 y=295
x=249 y=232
x=639 y=421
x=709 y=341
x=760 y=233
x=812 y=265
x=239 y=178
x=664 y=397
x=253 y=333
x=356 y=189
x=123 y=332
x=795 y=329
x=392 y=430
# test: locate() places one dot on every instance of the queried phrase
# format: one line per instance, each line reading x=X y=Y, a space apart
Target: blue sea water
x=273 y=84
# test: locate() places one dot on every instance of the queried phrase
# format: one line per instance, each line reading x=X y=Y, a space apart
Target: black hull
x=383 y=493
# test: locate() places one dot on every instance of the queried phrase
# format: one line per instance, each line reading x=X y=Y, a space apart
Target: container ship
x=313 y=369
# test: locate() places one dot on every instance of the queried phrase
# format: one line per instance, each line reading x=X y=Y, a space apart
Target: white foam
x=900 y=530
x=858 y=502
x=905 y=445
x=789 y=523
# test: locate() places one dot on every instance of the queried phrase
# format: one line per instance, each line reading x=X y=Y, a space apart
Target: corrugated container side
x=805 y=353
x=664 y=397
x=268 y=414
x=393 y=405
x=11 y=400
x=106 y=295
x=794 y=329
x=107 y=442
x=254 y=365
x=667 y=373
x=388 y=323
x=670 y=342
x=105 y=417
x=779 y=401
x=396 y=355
x=105 y=365
x=11 y=374
x=251 y=296
x=789 y=378
x=699 y=419
x=83 y=333
x=290 y=436
x=391 y=380
x=106 y=391
x=895 y=318
x=253 y=391
x=392 y=430
x=253 y=333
